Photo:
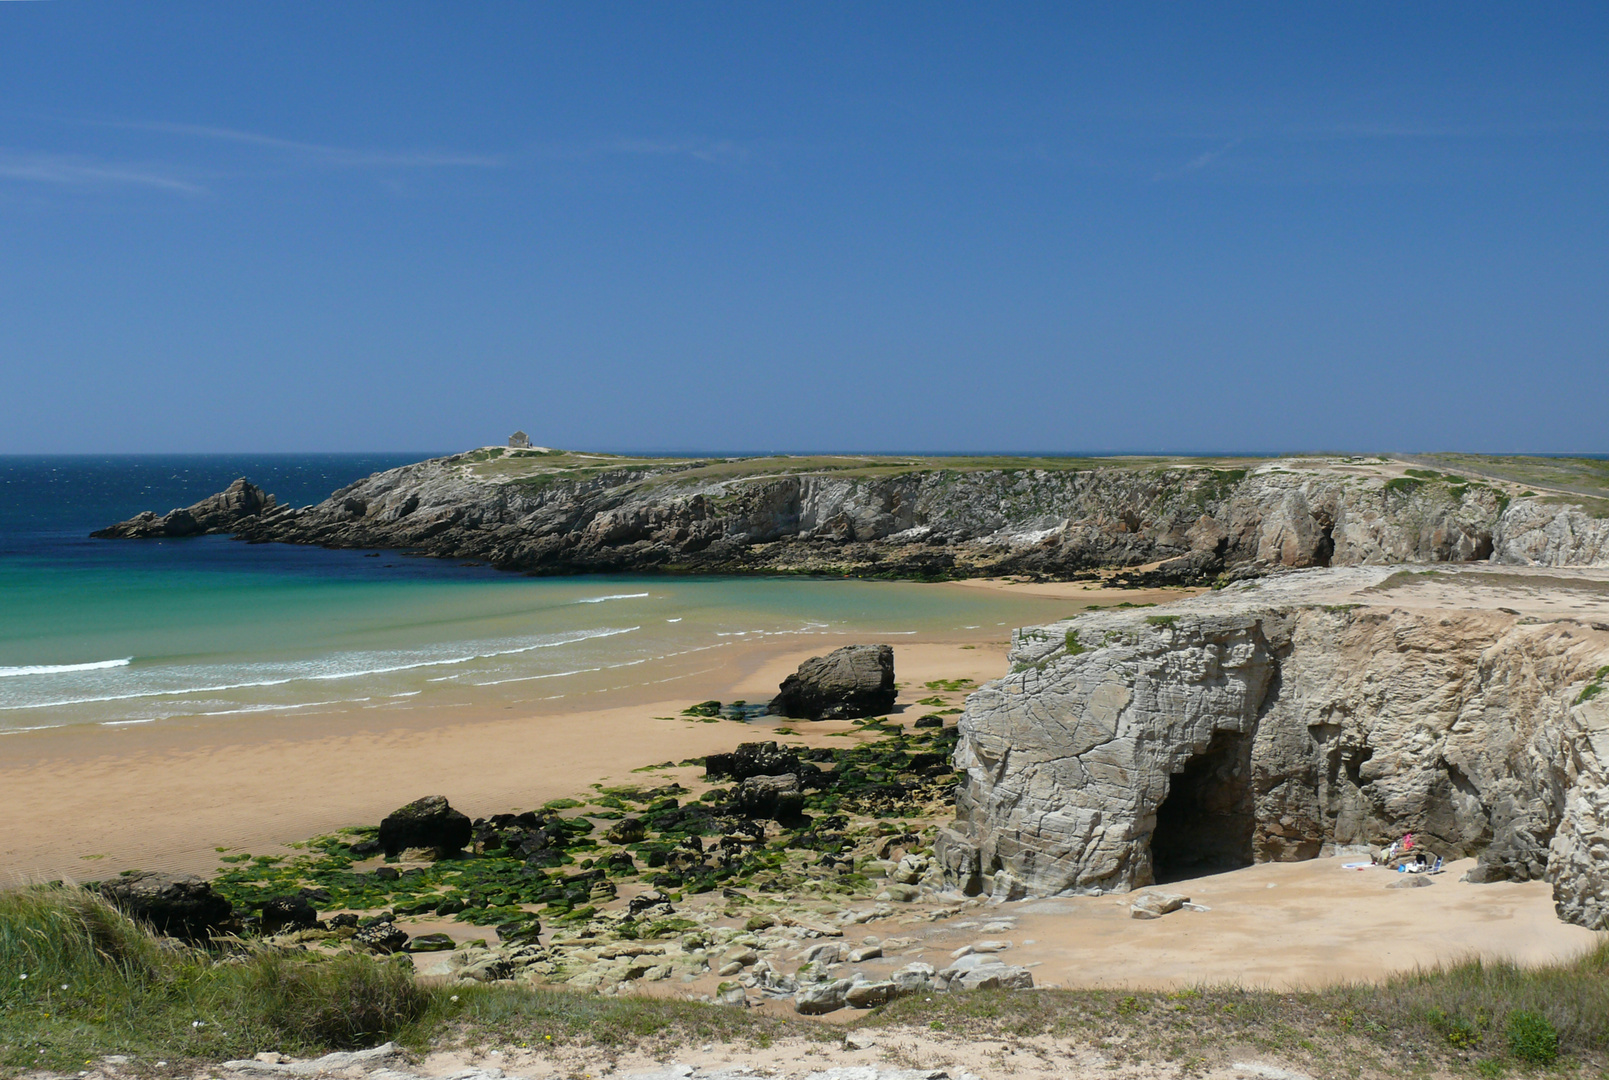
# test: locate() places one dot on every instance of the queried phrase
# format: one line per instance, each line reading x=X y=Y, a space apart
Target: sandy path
x=82 y=804
x=1277 y=925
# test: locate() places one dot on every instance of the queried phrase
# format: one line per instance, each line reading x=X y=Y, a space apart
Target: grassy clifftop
x=498 y=464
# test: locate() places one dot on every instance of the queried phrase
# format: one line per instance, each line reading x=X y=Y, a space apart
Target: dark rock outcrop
x=287 y=913
x=381 y=937
x=425 y=823
x=753 y=759
x=228 y=511
x=779 y=798
x=181 y=906
x=856 y=680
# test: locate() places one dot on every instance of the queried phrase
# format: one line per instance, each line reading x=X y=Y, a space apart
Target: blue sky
x=939 y=227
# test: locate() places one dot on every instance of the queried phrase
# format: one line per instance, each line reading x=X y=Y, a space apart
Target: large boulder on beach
x=224 y=512
x=425 y=823
x=854 y=681
x=179 y=905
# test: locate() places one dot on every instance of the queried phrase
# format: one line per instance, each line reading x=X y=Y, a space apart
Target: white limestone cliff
x=1274 y=723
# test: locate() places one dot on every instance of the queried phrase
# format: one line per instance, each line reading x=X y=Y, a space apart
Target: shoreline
x=175 y=796
x=164 y=796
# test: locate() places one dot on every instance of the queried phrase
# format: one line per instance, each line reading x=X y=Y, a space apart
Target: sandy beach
x=85 y=804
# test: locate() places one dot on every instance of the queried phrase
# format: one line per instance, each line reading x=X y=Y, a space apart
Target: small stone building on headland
x=519 y=441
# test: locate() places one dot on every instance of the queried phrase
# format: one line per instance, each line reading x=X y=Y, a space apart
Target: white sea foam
x=62 y=669
x=271 y=708
x=388 y=669
x=534 y=678
x=612 y=596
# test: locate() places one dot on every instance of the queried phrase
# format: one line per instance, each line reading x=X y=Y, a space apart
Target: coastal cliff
x=1308 y=714
x=561 y=512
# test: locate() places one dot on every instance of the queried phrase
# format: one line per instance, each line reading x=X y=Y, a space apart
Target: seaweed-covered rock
x=431 y=943
x=181 y=906
x=381 y=937
x=753 y=759
x=779 y=798
x=628 y=830
x=425 y=823
x=856 y=680
x=288 y=913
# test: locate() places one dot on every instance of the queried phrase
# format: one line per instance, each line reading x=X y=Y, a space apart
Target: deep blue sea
x=116 y=632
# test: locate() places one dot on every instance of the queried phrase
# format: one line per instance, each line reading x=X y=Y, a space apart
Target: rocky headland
x=1181 y=520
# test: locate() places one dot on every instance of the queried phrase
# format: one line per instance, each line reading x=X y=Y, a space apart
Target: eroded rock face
x=229 y=510
x=1127 y=747
x=926 y=521
x=854 y=681
x=1544 y=534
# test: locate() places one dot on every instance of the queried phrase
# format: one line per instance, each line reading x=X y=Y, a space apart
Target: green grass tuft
x=1532 y=1038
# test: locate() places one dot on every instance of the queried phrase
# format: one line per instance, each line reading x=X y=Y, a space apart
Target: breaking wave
x=62 y=669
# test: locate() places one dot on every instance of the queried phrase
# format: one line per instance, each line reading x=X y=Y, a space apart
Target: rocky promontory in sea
x=1186 y=520
x=225 y=512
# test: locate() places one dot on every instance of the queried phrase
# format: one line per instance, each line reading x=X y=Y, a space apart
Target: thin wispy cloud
x=1200 y=161
x=701 y=150
x=84 y=172
x=317 y=153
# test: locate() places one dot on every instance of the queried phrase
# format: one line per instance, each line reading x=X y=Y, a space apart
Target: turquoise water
x=133 y=632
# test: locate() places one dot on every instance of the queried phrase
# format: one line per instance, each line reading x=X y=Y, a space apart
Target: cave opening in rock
x=1206 y=823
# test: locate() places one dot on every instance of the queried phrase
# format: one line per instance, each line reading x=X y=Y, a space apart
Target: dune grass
x=1478 y=1018
x=79 y=981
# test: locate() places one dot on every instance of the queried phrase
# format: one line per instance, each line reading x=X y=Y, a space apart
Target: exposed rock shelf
x=231 y=509
x=556 y=512
x=1290 y=718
